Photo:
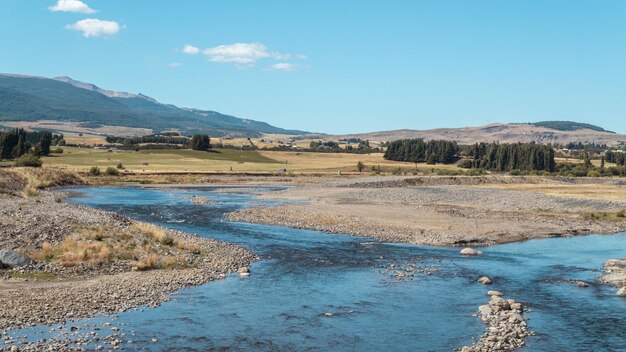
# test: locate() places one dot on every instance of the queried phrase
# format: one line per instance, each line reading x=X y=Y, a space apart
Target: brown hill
x=502 y=132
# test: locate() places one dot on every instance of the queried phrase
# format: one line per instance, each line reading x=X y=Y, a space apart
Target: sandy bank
x=452 y=211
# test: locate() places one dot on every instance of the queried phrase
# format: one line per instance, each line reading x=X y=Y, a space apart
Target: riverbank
x=448 y=211
x=90 y=262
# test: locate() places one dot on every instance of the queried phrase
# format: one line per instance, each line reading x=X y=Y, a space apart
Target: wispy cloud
x=191 y=50
x=243 y=54
x=174 y=64
x=92 y=27
x=284 y=66
x=71 y=6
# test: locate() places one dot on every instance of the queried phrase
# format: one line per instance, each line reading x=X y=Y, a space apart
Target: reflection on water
x=315 y=291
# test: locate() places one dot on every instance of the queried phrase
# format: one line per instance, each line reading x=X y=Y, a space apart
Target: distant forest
x=18 y=142
x=508 y=157
x=419 y=151
x=494 y=156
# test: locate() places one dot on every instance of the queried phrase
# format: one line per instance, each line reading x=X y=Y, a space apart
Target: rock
x=470 y=251
x=494 y=293
x=581 y=284
x=244 y=271
x=13 y=259
x=516 y=306
x=622 y=292
x=485 y=280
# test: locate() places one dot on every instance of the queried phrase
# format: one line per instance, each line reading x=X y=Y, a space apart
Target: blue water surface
x=302 y=275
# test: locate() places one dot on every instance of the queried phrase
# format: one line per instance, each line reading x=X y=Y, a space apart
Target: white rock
x=470 y=251
x=622 y=292
x=485 y=280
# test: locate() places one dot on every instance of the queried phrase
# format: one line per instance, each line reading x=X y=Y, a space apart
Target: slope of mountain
x=28 y=98
x=561 y=132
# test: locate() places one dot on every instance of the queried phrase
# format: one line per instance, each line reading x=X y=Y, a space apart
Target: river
x=329 y=292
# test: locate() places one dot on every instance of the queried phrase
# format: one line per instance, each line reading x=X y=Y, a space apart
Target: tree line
x=419 y=151
x=508 y=157
x=18 y=142
x=154 y=139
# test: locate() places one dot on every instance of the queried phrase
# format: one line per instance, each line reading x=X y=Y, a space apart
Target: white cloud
x=245 y=55
x=239 y=53
x=71 y=6
x=92 y=27
x=284 y=66
x=175 y=64
x=191 y=50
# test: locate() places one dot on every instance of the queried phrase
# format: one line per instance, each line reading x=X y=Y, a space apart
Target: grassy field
x=220 y=160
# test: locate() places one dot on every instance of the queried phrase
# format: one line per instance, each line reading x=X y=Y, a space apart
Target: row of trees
x=154 y=139
x=507 y=157
x=18 y=142
x=418 y=151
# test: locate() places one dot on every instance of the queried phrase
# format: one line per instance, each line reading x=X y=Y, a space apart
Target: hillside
x=542 y=132
x=64 y=100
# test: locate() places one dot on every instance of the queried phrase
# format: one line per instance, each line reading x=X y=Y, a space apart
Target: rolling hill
x=545 y=132
x=62 y=100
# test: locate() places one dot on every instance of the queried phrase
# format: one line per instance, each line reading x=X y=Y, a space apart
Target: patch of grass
x=95 y=246
x=602 y=215
x=33 y=276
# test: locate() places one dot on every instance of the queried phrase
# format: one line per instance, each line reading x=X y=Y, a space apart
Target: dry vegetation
x=140 y=247
x=26 y=182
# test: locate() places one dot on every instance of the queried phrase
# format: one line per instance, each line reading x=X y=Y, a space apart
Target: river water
x=303 y=275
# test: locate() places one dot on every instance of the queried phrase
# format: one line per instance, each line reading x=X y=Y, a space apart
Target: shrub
x=28 y=160
x=120 y=166
x=95 y=171
x=621 y=213
x=57 y=151
x=58 y=199
x=111 y=171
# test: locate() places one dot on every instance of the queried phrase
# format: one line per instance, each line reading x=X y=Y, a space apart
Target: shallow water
x=305 y=274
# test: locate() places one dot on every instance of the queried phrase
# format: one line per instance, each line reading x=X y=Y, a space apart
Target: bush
x=57 y=151
x=120 y=166
x=95 y=171
x=111 y=171
x=621 y=213
x=28 y=160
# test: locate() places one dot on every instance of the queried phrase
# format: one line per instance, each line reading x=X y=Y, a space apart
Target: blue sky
x=338 y=66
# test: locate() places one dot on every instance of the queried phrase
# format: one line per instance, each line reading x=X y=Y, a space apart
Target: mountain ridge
x=34 y=98
x=501 y=132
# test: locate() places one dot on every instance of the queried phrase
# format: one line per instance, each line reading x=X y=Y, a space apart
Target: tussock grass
x=26 y=181
x=144 y=247
x=602 y=215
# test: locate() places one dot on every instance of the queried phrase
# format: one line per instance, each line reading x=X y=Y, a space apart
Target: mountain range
x=31 y=98
x=62 y=102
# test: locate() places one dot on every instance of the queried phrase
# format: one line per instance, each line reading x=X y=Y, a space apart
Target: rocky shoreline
x=50 y=292
x=416 y=211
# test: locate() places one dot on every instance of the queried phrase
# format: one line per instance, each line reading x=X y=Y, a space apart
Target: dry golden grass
x=587 y=191
x=26 y=181
x=95 y=246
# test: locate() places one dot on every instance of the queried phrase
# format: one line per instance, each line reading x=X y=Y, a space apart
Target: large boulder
x=622 y=292
x=470 y=251
x=11 y=259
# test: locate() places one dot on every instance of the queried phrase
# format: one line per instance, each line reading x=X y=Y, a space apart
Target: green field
x=161 y=160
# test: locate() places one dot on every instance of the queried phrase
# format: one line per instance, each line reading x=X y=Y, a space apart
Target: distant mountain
x=95 y=88
x=29 y=98
x=541 y=132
